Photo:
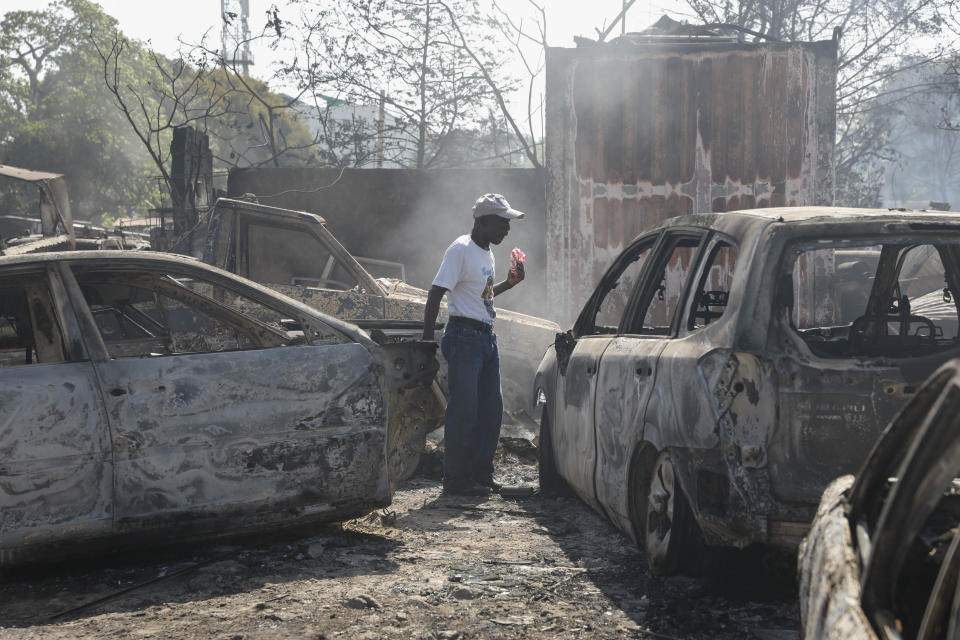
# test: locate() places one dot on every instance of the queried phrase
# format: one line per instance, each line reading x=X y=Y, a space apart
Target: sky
x=163 y=22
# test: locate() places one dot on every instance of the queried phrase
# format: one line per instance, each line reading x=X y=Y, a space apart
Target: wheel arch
x=642 y=459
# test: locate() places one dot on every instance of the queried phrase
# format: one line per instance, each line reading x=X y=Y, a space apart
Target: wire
x=286 y=191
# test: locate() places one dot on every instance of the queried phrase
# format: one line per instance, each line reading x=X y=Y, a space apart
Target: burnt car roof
x=267 y=209
x=799 y=216
x=158 y=259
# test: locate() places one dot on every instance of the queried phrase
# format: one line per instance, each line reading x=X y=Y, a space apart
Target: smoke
x=412 y=216
x=437 y=218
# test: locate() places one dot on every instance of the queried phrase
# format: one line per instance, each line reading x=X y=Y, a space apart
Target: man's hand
x=513 y=279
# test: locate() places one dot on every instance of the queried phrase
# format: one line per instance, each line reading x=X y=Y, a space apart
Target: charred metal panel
x=56 y=471
x=637 y=134
x=830 y=573
x=201 y=434
x=829 y=419
x=410 y=369
x=625 y=381
x=576 y=444
x=348 y=305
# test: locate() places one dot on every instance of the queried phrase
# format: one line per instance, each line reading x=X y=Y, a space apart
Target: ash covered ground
x=431 y=567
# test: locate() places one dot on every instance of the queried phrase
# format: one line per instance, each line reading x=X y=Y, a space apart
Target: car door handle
x=591 y=371
x=643 y=370
x=119 y=391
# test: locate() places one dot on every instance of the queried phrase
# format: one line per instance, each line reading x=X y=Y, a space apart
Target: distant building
x=365 y=136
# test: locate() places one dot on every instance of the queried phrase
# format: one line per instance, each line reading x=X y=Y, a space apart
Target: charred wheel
x=550 y=479
x=669 y=534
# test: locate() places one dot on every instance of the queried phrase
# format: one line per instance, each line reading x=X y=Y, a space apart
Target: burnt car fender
x=741 y=395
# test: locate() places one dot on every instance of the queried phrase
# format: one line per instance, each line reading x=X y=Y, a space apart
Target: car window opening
x=281 y=255
x=610 y=309
x=713 y=290
x=158 y=315
x=876 y=300
x=663 y=292
x=29 y=333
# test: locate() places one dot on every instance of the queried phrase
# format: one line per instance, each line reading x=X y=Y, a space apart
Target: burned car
x=152 y=397
x=729 y=366
x=295 y=253
x=54 y=227
x=882 y=558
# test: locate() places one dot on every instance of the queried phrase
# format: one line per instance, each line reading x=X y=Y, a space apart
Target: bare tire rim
x=660 y=507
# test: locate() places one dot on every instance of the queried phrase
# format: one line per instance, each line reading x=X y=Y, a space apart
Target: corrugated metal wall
x=639 y=133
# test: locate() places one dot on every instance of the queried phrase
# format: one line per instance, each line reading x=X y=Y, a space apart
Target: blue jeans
x=471 y=427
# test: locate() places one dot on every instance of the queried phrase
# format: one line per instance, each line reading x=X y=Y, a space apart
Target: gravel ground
x=431 y=566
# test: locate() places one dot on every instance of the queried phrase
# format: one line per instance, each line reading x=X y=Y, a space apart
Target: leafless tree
x=430 y=63
x=173 y=95
x=248 y=124
x=524 y=42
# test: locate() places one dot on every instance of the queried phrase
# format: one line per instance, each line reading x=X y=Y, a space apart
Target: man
x=474 y=404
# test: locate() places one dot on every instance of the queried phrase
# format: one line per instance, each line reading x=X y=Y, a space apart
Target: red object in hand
x=517 y=260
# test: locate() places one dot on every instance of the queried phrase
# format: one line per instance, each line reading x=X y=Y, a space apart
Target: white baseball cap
x=494 y=204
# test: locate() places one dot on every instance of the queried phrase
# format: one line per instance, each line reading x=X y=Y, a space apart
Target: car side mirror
x=563 y=344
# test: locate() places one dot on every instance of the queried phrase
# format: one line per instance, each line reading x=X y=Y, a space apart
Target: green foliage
x=69 y=70
x=258 y=127
x=57 y=115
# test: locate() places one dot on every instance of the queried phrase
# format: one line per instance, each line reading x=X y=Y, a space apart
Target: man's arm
x=431 y=311
x=511 y=281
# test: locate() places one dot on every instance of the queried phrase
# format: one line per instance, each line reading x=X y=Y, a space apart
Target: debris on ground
x=431 y=566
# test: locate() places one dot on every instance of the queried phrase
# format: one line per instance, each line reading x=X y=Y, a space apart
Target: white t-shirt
x=467 y=274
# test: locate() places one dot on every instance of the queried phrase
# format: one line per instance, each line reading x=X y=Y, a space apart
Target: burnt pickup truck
x=729 y=366
x=294 y=253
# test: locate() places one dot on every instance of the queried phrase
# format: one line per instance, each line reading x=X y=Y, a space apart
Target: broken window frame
x=237 y=218
x=647 y=288
x=39 y=287
x=97 y=346
x=261 y=335
x=586 y=322
x=885 y=281
x=711 y=248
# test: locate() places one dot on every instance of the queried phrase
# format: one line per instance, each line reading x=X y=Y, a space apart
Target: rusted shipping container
x=643 y=129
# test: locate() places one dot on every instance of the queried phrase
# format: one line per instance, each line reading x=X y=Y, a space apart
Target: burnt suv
x=729 y=366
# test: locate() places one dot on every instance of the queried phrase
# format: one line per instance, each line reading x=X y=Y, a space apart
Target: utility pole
x=380 y=127
x=235 y=34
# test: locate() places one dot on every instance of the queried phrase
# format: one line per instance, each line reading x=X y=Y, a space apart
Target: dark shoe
x=490 y=482
x=466 y=489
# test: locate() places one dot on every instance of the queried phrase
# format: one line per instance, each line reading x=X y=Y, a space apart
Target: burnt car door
x=56 y=471
x=226 y=408
x=595 y=329
x=629 y=369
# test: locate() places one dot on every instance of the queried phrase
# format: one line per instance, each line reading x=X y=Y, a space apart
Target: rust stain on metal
x=643 y=133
